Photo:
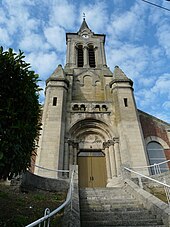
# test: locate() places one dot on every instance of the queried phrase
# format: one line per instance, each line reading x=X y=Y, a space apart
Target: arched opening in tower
x=80 y=58
x=92 y=62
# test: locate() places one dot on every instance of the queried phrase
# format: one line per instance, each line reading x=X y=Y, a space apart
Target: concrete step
x=112 y=216
x=113 y=207
x=110 y=224
x=108 y=207
x=104 y=193
x=105 y=200
x=121 y=223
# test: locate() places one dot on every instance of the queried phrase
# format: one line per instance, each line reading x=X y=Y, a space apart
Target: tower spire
x=84 y=24
x=84 y=16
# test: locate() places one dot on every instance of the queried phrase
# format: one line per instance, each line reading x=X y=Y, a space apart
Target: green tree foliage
x=19 y=113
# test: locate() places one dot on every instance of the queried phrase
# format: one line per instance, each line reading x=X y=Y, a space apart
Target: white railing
x=47 y=213
x=156 y=167
x=50 y=170
x=166 y=186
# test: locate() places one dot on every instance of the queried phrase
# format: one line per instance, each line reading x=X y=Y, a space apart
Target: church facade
x=90 y=118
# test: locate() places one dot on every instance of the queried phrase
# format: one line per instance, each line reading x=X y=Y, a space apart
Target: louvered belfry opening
x=80 y=58
x=92 y=63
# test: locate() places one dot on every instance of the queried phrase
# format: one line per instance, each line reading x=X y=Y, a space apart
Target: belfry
x=90 y=118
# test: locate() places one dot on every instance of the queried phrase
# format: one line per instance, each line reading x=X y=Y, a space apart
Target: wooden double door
x=92 y=169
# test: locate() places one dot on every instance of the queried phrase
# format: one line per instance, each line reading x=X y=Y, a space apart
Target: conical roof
x=84 y=26
x=58 y=74
x=119 y=76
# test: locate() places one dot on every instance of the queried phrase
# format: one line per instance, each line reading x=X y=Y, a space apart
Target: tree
x=19 y=113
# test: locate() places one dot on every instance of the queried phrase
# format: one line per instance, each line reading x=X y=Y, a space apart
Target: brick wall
x=153 y=127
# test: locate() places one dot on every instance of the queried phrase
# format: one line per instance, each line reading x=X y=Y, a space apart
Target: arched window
x=80 y=57
x=97 y=107
x=104 y=108
x=75 y=107
x=92 y=63
x=156 y=155
x=82 y=107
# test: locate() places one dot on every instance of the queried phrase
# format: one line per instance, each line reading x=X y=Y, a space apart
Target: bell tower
x=90 y=115
x=85 y=49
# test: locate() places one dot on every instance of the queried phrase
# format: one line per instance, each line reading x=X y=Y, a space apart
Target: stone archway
x=91 y=134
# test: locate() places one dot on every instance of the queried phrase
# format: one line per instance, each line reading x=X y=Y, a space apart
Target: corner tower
x=88 y=126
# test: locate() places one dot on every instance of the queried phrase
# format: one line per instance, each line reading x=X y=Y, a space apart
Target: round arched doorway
x=88 y=138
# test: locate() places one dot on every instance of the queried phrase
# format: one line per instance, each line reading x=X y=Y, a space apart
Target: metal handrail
x=150 y=166
x=52 y=170
x=48 y=214
x=166 y=186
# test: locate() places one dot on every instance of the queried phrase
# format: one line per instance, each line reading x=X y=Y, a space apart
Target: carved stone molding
x=110 y=142
x=116 y=139
x=72 y=143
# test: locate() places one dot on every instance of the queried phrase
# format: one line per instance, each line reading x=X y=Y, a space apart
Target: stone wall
x=31 y=181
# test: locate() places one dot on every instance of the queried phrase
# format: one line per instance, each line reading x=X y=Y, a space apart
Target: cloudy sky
x=137 y=39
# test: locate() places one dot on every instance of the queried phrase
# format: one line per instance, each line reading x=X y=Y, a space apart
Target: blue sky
x=137 y=39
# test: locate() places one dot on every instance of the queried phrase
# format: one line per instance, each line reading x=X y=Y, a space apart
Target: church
x=90 y=119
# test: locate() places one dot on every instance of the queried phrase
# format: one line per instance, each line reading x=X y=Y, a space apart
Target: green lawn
x=19 y=209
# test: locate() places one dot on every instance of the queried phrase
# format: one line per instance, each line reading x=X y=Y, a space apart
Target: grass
x=20 y=209
x=159 y=192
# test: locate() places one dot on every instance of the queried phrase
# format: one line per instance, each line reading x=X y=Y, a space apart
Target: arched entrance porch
x=92 y=145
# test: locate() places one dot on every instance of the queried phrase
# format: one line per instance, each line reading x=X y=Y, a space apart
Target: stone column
x=66 y=157
x=96 y=56
x=71 y=153
x=85 y=56
x=112 y=159
x=103 y=53
x=108 y=167
x=75 y=154
x=68 y=52
x=117 y=155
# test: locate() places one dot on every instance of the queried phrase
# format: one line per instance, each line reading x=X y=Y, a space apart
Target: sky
x=137 y=40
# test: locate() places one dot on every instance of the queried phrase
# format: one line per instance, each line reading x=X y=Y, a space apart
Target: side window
x=54 y=101
x=156 y=155
x=125 y=102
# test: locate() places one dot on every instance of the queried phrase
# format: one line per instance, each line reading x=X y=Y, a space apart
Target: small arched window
x=104 y=108
x=75 y=107
x=80 y=57
x=156 y=155
x=82 y=107
x=97 y=108
x=92 y=63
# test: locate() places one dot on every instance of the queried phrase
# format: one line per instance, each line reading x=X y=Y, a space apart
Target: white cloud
x=146 y=98
x=129 y=25
x=55 y=37
x=95 y=16
x=156 y=98
x=163 y=34
x=18 y=17
x=146 y=81
x=130 y=57
x=5 y=38
x=166 y=105
x=33 y=42
x=62 y=14
x=162 y=85
x=43 y=63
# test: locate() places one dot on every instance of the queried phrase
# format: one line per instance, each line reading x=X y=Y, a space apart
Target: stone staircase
x=113 y=207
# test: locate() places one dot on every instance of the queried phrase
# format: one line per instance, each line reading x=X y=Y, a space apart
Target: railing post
x=140 y=182
x=47 y=212
x=167 y=192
